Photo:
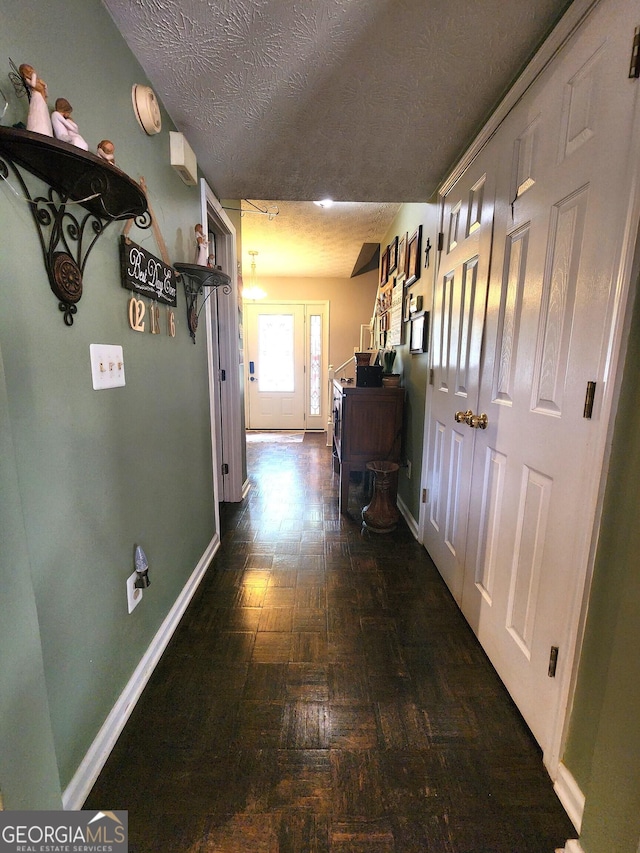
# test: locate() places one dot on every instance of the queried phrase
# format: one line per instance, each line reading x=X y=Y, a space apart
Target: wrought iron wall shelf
x=85 y=195
x=195 y=278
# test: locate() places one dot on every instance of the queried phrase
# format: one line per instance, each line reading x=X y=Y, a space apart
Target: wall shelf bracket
x=85 y=194
x=196 y=279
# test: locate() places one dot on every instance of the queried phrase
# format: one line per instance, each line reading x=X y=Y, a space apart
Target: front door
x=275 y=366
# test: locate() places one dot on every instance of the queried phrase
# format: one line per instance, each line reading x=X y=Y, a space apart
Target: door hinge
x=425 y=495
x=634 y=66
x=588 y=400
x=223 y=375
x=440 y=241
x=225 y=468
x=553 y=661
x=431 y=376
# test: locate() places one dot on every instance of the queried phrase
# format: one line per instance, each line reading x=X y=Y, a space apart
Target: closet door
x=563 y=176
x=459 y=312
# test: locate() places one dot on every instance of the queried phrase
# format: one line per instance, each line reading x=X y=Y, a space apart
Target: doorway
x=286 y=353
x=224 y=349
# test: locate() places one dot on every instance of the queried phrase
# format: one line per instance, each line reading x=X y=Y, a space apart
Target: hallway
x=323 y=693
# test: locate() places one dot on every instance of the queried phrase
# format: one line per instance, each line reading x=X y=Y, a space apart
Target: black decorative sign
x=146 y=274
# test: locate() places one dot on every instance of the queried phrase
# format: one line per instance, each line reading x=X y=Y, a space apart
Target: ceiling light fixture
x=325 y=202
x=253 y=292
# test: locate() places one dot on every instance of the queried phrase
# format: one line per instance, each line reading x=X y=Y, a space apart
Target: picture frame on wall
x=419 y=332
x=413 y=257
x=406 y=308
x=384 y=266
x=402 y=256
x=393 y=254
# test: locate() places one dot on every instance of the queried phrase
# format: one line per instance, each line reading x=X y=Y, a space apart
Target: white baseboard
x=411 y=522
x=571 y=797
x=85 y=776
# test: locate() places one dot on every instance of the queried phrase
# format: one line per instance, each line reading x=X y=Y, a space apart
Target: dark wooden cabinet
x=367 y=426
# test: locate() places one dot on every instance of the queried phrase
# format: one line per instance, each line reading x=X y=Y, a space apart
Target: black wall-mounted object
x=369 y=376
x=145 y=274
x=195 y=279
x=85 y=195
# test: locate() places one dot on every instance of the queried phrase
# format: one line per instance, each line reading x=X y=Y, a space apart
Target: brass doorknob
x=461 y=417
x=478 y=421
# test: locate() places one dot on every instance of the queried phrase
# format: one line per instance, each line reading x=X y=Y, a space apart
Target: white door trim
x=229 y=419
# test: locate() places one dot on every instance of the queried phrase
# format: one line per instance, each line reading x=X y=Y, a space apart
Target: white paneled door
x=511 y=528
x=460 y=296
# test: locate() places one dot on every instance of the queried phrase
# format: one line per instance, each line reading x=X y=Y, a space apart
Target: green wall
x=87 y=475
x=603 y=746
x=414 y=368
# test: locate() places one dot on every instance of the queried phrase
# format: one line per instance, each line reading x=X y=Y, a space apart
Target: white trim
x=223 y=329
x=85 y=776
x=406 y=514
x=568 y=24
x=570 y=795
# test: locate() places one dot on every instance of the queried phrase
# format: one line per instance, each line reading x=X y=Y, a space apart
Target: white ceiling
x=357 y=100
x=304 y=240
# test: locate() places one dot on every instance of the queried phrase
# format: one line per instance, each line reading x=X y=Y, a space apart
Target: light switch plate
x=107 y=366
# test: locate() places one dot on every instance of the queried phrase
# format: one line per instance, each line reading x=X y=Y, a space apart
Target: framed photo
x=415 y=303
x=384 y=266
x=419 y=332
x=413 y=256
x=406 y=308
x=393 y=254
x=402 y=256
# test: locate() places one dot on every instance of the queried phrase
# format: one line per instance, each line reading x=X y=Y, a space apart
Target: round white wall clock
x=146 y=108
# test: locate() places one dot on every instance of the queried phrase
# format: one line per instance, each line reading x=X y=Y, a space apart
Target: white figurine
x=202 y=247
x=64 y=127
x=38 y=119
x=106 y=149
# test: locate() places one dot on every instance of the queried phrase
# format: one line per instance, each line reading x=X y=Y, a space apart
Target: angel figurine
x=64 y=127
x=106 y=149
x=202 y=247
x=38 y=119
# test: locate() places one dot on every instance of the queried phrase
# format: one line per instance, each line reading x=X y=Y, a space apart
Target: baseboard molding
x=406 y=514
x=85 y=776
x=571 y=797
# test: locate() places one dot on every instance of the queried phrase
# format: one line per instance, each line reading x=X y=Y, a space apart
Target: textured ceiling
x=308 y=241
x=358 y=100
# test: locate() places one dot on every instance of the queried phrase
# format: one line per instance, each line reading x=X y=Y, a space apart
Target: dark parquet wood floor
x=323 y=694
